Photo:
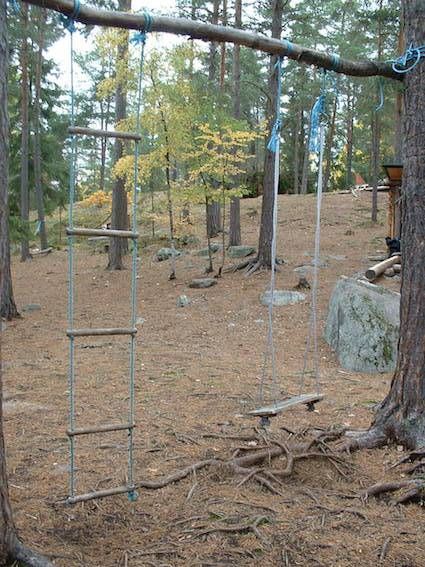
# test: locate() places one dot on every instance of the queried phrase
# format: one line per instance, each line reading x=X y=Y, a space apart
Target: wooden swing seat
x=279 y=407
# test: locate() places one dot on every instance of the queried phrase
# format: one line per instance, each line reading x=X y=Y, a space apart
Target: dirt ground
x=197 y=373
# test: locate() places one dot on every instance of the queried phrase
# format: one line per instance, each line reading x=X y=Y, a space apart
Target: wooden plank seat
x=279 y=407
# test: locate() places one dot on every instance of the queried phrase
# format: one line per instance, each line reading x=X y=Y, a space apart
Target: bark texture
x=266 y=227
x=41 y=20
x=7 y=304
x=235 y=206
x=402 y=414
x=119 y=216
x=23 y=61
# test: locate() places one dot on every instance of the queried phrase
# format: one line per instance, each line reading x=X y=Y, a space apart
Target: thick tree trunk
x=266 y=227
x=350 y=128
x=213 y=208
x=376 y=133
x=401 y=416
x=37 y=131
x=297 y=134
x=306 y=159
x=235 y=206
x=23 y=61
x=329 y=144
x=223 y=49
x=7 y=304
x=119 y=217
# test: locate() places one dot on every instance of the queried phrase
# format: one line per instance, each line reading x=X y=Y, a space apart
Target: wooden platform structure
x=279 y=407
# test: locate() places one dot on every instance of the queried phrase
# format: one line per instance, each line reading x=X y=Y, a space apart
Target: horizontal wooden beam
x=222 y=34
x=101 y=232
x=100 y=429
x=99 y=494
x=99 y=332
x=80 y=131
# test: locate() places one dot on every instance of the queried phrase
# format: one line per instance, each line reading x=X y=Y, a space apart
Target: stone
x=362 y=326
x=304 y=270
x=31 y=307
x=201 y=283
x=282 y=297
x=166 y=254
x=214 y=247
x=240 y=251
x=182 y=301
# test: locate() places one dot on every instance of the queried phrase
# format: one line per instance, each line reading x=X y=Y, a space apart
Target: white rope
x=313 y=330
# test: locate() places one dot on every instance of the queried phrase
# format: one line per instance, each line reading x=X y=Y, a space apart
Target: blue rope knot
x=15 y=6
x=288 y=46
x=140 y=36
x=132 y=495
x=409 y=59
x=275 y=135
x=316 y=113
x=335 y=61
x=69 y=21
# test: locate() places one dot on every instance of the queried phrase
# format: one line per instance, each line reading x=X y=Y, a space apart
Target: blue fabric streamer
x=275 y=135
x=15 y=6
x=69 y=21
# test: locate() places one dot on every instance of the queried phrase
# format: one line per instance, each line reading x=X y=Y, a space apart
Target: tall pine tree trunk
x=329 y=144
x=38 y=183
x=23 y=61
x=376 y=130
x=350 y=128
x=401 y=416
x=297 y=134
x=213 y=212
x=119 y=218
x=306 y=158
x=266 y=226
x=235 y=206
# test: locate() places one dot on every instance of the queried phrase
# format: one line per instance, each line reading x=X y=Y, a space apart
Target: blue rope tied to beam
x=15 y=5
x=275 y=134
x=69 y=21
x=140 y=36
x=409 y=59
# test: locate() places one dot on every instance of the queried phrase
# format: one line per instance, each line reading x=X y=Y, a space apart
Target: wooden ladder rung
x=99 y=494
x=101 y=232
x=100 y=429
x=104 y=133
x=99 y=332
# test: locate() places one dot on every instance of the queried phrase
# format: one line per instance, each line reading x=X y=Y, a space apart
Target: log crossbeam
x=222 y=34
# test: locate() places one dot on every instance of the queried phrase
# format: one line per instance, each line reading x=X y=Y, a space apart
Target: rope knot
x=140 y=36
x=409 y=59
x=69 y=21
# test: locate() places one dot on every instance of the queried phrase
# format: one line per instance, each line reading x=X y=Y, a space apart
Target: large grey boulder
x=214 y=247
x=363 y=325
x=282 y=297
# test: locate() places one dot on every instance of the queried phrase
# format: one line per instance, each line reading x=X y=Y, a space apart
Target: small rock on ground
x=282 y=297
x=31 y=307
x=240 y=251
x=201 y=283
x=166 y=254
x=182 y=301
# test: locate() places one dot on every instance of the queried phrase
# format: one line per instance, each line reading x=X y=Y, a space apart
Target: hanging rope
x=70 y=26
x=138 y=38
x=274 y=147
x=317 y=147
x=69 y=21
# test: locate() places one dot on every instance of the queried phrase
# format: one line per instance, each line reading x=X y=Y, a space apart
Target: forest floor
x=197 y=374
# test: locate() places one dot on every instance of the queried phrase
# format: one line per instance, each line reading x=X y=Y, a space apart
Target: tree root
x=251 y=526
x=412 y=490
x=253 y=465
x=27 y=556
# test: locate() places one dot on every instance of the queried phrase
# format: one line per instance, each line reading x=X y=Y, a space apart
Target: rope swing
x=316 y=146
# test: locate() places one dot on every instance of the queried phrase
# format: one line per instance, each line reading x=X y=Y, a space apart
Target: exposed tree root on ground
x=28 y=557
x=255 y=463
